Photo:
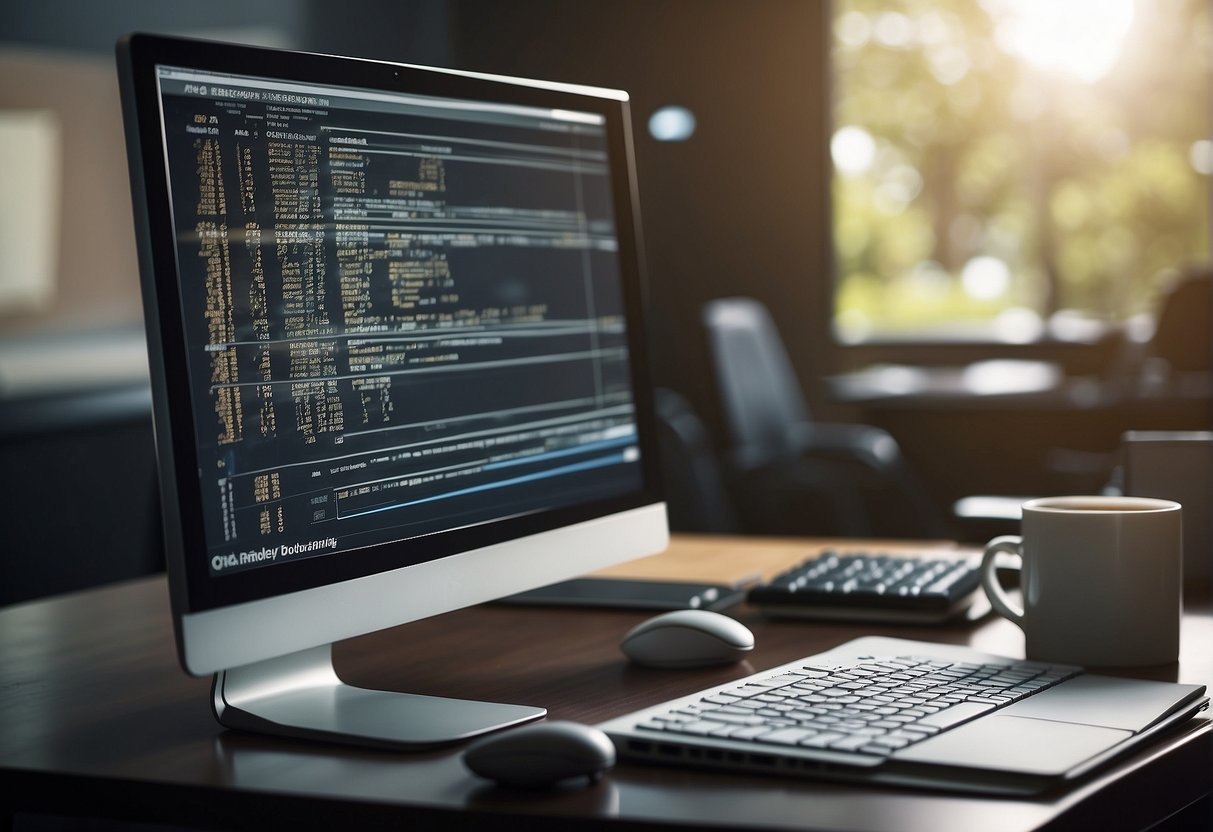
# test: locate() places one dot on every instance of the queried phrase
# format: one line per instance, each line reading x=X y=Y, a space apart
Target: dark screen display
x=403 y=314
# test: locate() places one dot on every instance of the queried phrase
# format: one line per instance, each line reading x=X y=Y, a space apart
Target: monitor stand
x=300 y=695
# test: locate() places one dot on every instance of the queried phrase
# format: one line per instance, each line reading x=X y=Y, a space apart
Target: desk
x=98 y=720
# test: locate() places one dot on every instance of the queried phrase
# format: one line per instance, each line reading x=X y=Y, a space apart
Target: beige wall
x=97 y=283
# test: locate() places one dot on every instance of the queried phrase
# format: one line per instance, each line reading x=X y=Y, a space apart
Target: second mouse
x=686 y=639
x=541 y=755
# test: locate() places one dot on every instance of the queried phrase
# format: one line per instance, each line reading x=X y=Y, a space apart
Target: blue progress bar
x=600 y=462
x=579 y=449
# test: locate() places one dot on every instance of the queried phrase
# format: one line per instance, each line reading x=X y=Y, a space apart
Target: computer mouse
x=688 y=638
x=542 y=754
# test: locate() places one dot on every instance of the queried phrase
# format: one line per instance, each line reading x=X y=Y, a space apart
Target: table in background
x=98 y=720
x=1014 y=426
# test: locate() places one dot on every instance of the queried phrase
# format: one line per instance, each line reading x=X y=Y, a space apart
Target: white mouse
x=542 y=754
x=688 y=638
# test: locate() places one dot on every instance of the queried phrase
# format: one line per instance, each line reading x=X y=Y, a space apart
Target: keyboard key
x=750 y=732
x=787 y=736
x=822 y=740
x=955 y=715
x=786 y=679
x=851 y=743
x=919 y=728
x=674 y=717
x=871 y=731
x=905 y=734
x=750 y=705
x=733 y=719
x=701 y=728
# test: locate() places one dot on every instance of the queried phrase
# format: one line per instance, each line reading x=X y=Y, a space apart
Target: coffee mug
x=1101 y=579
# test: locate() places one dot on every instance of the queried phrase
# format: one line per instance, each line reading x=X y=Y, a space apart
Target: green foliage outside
x=1081 y=194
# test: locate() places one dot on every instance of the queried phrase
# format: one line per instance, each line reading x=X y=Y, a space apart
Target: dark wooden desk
x=96 y=719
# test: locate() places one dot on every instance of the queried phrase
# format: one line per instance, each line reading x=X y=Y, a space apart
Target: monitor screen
x=403 y=314
x=395 y=318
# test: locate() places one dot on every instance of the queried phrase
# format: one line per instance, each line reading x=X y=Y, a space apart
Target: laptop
x=893 y=711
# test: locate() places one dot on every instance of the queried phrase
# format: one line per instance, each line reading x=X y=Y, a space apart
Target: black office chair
x=789 y=474
x=695 y=495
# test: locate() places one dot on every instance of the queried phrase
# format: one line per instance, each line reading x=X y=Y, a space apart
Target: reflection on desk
x=100 y=721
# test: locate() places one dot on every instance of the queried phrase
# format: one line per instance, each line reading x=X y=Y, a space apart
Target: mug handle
x=999 y=599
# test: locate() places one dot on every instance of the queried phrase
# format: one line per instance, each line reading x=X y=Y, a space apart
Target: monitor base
x=300 y=695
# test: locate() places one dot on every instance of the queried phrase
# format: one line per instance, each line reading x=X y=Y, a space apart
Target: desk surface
x=99 y=720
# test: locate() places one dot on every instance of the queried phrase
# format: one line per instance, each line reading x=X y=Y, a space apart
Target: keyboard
x=873 y=587
x=894 y=711
x=869 y=709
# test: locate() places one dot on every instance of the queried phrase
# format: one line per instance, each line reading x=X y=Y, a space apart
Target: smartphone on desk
x=626 y=593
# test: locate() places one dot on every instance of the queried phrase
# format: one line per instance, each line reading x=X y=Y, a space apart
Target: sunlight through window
x=1015 y=169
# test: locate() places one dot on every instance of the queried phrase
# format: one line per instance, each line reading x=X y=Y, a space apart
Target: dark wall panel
x=740 y=208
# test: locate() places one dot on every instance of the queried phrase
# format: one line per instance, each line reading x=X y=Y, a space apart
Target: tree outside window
x=1015 y=169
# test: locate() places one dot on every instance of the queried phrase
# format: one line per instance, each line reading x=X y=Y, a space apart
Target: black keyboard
x=872 y=586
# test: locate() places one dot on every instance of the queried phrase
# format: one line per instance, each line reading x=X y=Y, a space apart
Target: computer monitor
x=394 y=318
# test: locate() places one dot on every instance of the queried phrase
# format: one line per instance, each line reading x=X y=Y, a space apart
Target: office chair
x=788 y=473
x=695 y=495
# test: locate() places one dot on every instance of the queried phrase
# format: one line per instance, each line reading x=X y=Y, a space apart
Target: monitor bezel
x=192 y=589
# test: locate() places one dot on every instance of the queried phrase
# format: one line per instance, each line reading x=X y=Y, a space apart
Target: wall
x=58 y=55
x=97 y=282
x=741 y=208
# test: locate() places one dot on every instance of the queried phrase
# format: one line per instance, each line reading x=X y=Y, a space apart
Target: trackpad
x=1133 y=704
x=1012 y=743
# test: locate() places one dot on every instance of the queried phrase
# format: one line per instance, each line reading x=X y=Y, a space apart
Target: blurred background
x=973 y=233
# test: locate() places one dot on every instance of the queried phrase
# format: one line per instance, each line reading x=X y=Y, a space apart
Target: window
x=1010 y=170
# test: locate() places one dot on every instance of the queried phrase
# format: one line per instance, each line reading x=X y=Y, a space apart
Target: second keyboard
x=872 y=586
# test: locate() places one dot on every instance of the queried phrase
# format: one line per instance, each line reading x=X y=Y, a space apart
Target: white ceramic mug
x=1101 y=580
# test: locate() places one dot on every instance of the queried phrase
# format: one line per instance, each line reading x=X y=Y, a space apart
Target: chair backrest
x=696 y=500
x=759 y=391
x=1181 y=336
